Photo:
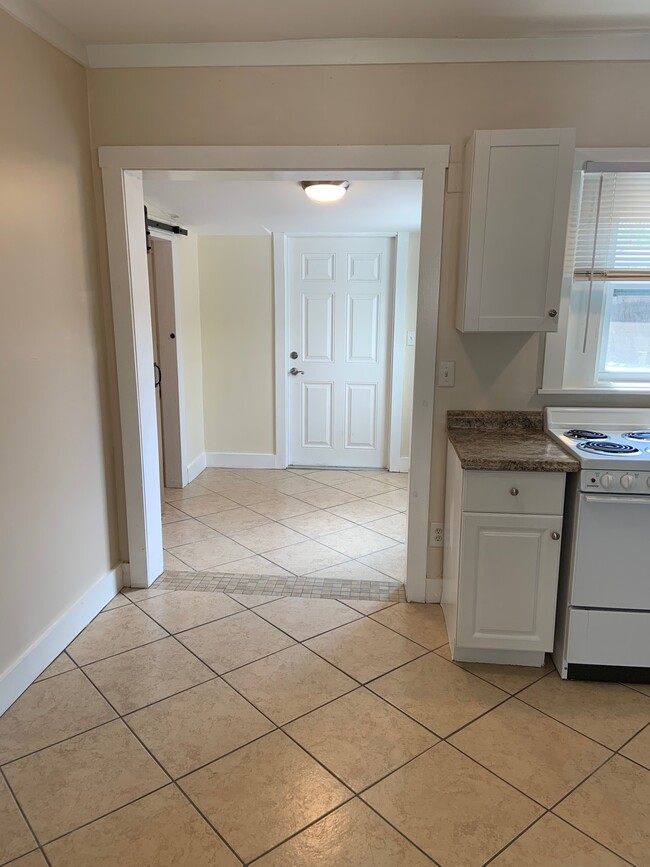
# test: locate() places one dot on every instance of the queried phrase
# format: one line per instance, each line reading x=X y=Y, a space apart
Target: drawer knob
x=555 y=535
x=514 y=492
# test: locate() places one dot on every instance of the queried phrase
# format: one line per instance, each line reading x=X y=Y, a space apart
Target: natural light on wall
x=604 y=340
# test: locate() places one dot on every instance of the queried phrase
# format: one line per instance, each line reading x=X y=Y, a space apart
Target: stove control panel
x=615 y=482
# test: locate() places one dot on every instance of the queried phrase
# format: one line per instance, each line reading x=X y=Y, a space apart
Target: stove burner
x=578 y=434
x=642 y=435
x=608 y=448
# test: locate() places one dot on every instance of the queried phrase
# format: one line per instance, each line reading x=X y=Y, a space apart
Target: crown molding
x=47 y=27
x=334 y=52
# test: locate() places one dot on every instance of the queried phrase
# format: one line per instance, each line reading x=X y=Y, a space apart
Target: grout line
x=22 y=812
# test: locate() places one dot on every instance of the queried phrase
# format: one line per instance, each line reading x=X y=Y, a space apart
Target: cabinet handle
x=552 y=313
x=555 y=535
x=514 y=492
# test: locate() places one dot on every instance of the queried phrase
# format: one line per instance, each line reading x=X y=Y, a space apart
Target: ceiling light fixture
x=325 y=191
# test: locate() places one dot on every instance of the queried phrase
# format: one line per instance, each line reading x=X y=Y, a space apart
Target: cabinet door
x=508 y=581
x=516 y=212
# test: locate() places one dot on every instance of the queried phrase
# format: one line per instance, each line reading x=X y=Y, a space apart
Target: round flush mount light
x=325 y=191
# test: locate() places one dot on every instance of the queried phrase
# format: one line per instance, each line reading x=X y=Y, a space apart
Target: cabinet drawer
x=514 y=493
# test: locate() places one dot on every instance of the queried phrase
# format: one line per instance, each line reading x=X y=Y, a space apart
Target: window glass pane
x=625 y=351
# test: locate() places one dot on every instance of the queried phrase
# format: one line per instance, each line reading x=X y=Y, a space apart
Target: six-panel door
x=340 y=308
x=508 y=591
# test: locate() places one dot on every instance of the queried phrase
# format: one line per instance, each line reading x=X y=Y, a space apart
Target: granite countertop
x=510 y=441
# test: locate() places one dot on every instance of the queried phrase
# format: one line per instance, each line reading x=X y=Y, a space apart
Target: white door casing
x=340 y=306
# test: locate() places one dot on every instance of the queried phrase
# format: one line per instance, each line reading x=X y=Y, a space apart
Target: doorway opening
x=123 y=188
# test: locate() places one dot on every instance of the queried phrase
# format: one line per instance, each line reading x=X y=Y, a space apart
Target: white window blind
x=613 y=231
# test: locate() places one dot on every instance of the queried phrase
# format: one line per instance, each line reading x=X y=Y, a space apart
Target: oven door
x=612 y=552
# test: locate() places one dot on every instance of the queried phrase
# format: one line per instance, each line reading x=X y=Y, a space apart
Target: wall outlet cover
x=437 y=535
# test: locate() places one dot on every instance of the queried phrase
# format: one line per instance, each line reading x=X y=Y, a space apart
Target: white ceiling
x=212 y=206
x=178 y=21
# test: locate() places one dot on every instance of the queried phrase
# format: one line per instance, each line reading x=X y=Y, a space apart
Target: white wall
x=409 y=351
x=58 y=532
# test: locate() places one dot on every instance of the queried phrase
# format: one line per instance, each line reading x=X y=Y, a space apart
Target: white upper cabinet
x=516 y=204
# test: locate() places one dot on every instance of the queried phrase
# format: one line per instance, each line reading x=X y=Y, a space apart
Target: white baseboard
x=240 y=461
x=403 y=466
x=196 y=467
x=56 y=638
x=433 y=590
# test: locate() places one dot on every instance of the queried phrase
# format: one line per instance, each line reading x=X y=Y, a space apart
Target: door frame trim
x=122 y=169
x=395 y=345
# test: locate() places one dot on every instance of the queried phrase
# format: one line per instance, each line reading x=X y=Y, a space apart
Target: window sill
x=614 y=391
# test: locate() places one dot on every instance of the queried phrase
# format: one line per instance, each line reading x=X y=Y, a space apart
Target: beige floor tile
x=118 y=601
x=289 y=683
x=184 y=609
x=536 y=754
x=351 y=570
x=393 y=526
x=235 y=641
x=34 y=859
x=268 y=537
x=194 y=489
x=332 y=477
x=511 y=678
x=613 y=806
x=638 y=749
x=352 y=836
x=378 y=475
x=326 y=497
x=139 y=594
x=15 y=837
x=437 y=694
x=456 y=811
x=211 y=553
x=114 y=632
x=391 y=562
x=639 y=687
x=173 y=564
x=266 y=477
x=254 y=565
x=50 y=711
x=552 y=843
x=367 y=606
x=424 y=624
x=184 y=532
x=280 y=506
x=263 y=793
x=197 y=726
x=208 y=504
x=235 y=520
x=296 y=485
x=245 y=493
x=147 y=674
x=357 y=541
x=217 y=474
x=306 y=557
x=360 y=738
x=303 y=618
x=319 y=523
x=364 y=487
x=170 y=513
x=66 y=785
x=607 y=712
x=397 y=500
x=61 y=663
x=160 y=830
x=365 y=649
x=252 y=600
x=362 y=511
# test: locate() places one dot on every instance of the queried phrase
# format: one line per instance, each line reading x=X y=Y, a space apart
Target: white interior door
x=340 y=313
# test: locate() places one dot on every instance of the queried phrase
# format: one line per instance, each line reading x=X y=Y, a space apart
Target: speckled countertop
x=511 y=441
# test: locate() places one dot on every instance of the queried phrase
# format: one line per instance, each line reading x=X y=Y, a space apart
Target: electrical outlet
x=437 y=536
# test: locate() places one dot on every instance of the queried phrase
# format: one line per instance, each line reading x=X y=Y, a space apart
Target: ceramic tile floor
x=340 y=524
x=202 y=729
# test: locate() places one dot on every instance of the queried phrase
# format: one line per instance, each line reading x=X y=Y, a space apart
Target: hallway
x=326 y=524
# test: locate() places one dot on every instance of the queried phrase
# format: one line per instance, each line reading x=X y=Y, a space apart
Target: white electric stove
x=603 y=618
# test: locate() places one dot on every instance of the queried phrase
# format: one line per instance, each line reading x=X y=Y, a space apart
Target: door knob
x=555 y=535
x=514 y=492
x=294 y=371
x=293 y=355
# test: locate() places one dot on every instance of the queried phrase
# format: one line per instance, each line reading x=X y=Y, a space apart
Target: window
x=604 y=340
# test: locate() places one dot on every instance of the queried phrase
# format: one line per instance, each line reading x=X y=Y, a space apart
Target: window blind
x=613 y=232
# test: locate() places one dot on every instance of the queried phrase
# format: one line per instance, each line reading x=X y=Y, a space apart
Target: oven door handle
x=630 y=501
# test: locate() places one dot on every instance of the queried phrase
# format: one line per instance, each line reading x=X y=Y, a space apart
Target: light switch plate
x=447 y=374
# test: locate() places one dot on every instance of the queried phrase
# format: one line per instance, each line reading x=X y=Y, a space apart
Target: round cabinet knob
x=627 y=481
x=606 y=480
x=555 y=535
x=514 y=492
x=552 y=313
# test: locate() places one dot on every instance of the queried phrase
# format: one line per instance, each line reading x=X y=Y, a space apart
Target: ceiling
x=212 y=206
x=200 y=21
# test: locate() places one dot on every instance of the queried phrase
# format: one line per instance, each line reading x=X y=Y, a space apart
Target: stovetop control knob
x=606 y=480
x=627 y=481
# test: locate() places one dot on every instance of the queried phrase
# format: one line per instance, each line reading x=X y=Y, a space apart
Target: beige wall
x=438 y=104
x=187 y=248
x=58 y=501
x=236 y=278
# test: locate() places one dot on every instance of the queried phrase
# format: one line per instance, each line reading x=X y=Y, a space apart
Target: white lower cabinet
x=500 y=572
